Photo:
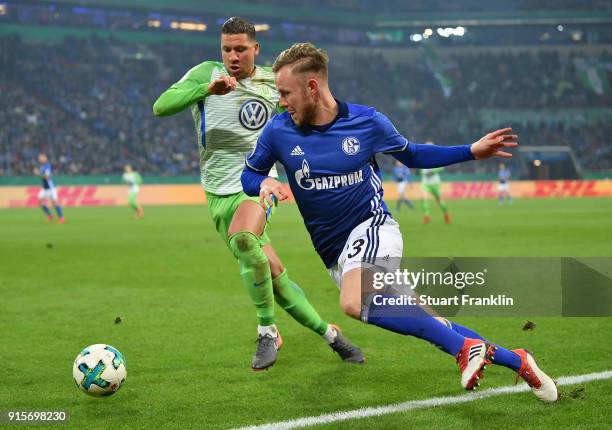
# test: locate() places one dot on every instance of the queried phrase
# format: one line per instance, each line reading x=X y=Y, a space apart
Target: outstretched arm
x=193 y=87
x=428 y=156
x=492 y=144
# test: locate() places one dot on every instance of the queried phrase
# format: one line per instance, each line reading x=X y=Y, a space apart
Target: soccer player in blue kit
x=336 y=183
x=503 y=175
x=48 y=190
x=401 y=174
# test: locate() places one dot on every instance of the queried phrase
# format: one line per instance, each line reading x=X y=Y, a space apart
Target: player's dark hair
x=305 y=57
x=238 y=25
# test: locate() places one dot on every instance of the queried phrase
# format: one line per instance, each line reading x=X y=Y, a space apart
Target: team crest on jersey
x=253 y=114
x=350 y=145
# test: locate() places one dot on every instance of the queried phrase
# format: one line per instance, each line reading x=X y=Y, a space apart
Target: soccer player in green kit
x=432 y=184
x=134 y=180
x=231 y=102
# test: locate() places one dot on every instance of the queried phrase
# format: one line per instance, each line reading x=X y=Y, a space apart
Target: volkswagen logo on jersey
x=350 y=145
x=253 y=114
x=304 y=181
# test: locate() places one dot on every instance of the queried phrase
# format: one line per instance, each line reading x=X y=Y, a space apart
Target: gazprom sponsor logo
x=303 y=179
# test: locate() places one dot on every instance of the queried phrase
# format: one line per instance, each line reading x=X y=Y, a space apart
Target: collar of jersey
x=343 y=112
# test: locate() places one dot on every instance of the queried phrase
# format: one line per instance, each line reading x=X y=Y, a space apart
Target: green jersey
x=431 y=176
x=134 y=180
x=227 y=126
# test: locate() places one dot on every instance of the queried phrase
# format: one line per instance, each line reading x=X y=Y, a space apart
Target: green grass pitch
x=188 y=328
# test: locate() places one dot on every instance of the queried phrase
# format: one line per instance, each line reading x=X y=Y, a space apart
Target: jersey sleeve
x=259 y=163
x=192 y=88
x=263 y=156
x=389 y=139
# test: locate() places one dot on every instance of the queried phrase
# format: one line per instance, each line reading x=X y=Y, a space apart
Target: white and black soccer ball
x=99 y=370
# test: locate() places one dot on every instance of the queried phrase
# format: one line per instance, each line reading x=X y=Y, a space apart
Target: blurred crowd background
x=86 y=99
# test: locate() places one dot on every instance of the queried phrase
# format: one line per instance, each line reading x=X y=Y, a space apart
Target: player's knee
x=351 y=307
x=245 y=246
x=243 y=241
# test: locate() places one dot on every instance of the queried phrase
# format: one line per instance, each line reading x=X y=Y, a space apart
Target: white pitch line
x=419 y=404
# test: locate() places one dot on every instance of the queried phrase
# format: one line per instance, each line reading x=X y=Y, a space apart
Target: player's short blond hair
x=305 y=57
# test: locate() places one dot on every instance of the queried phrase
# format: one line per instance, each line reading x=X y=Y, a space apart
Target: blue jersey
x=503 y=175
x=47 y=182
x=401 y=173
x=331 y=171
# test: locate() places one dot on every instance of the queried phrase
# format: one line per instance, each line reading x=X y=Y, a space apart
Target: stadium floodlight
x=188 y=26
x=450 y=31
x=262 y=27
x=576 y=35
x=416 y=37
x=443 y=32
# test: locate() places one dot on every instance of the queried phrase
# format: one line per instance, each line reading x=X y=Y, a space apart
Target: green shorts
x=434 y=190
x=223 y=208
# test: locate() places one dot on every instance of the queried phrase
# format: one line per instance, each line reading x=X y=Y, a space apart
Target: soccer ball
x=99 y=370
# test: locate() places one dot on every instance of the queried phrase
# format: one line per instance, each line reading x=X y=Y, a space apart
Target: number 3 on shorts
x=356 y=248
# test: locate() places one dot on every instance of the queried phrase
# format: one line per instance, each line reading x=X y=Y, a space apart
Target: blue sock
x=506 y=358
x=412 y=320
x=60 y=213
x=464 y=331
x=46 y=210
x=502 y=357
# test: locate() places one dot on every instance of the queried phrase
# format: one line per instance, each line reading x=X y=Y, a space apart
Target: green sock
x=132 y=202
x=425 y=206
x=255 y=274
x=294 y=301
x=443 y=206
